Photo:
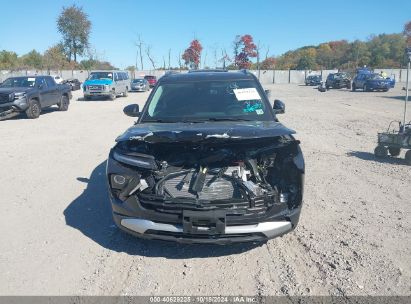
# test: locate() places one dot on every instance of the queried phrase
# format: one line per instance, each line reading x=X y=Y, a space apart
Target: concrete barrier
x=266 y=76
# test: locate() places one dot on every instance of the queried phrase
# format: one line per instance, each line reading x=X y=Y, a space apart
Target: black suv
x=313 y=80
x=338 y=81
x=207 y=161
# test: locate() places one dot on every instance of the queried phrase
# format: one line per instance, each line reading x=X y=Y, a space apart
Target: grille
x=4 y=98
x=95 y=87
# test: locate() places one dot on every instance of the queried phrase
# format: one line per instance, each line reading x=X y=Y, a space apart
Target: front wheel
x=113 y=96
x=380 y=152
x=353 y=88
x=34 y=110
x=125 y=94
x=365 y=88
x=394 y=151
x=63 y=105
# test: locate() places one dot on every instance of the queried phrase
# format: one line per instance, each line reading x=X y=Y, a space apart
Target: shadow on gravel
x=23 y=116
x=402 y=98
x=90 y=213
x=371 y=157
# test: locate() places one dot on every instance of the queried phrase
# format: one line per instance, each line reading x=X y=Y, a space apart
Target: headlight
x=142 y=161
x=19 y=95
x=11 y=96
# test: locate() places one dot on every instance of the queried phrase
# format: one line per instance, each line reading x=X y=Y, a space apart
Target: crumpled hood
x=98 y=82
x=194 y=132
x=15 y=90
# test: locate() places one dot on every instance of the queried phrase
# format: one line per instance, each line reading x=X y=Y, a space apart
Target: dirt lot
x=58 y=237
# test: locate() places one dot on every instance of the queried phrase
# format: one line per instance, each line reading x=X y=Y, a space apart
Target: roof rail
x=207 y=70
x=169 y=72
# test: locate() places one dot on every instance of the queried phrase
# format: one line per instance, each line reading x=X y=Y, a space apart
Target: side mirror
x=279 y=107
x=132 y=110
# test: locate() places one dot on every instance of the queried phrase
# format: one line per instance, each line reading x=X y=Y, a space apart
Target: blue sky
x=282 y=25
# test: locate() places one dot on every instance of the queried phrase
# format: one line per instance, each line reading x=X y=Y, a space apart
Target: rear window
x=149 y=77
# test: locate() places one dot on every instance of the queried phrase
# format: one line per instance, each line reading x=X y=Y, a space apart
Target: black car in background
x=206 y=162
x=338 y=81
x=31 y=94
x=74 y=83
x=313 y=80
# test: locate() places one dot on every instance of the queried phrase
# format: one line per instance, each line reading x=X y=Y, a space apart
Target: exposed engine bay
x=213 y=174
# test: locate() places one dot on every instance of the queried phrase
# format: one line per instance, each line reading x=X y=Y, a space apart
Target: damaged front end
x=217 y=189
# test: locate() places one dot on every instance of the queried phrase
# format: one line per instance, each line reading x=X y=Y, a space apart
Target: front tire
x=353 y=88
x=34 y=110
x=380 y=152
x=408 y=157
x=125 y=94
x=113 y=96
x=63 y=105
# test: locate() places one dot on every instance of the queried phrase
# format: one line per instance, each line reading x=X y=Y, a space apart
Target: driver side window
x=41 y=82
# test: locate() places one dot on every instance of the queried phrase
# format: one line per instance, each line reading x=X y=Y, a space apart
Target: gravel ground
x=59 y=239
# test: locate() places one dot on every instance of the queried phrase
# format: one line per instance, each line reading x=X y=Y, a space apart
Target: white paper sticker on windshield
x=31 y=79
x=259 y=111
x=246 y=94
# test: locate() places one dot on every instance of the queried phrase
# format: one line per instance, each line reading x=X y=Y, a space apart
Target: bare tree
x=266 y=53
x=169 y=58
x=205 y=59
x=150 y=57
x=258 y=50
x=224 y=57
x=139 y=44
x=179 y=60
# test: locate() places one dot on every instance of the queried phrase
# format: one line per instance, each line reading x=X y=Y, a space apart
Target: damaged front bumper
x=230 y=198
x=13 y=108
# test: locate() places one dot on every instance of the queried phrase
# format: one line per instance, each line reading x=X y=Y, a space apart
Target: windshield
x=22 y=82
x=101 y=75
x=208 y=100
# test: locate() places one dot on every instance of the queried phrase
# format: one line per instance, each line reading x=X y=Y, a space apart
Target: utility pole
x=408 y=50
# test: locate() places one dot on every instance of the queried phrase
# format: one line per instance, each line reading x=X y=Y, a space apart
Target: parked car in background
x=31 y=94
x=58 y=79
x=371 y=82
x=75 y=84
x=152 y=80
x=338 y=81
x=140 y=85
x=106 y=84
x=313 y=80
x=207 y=162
